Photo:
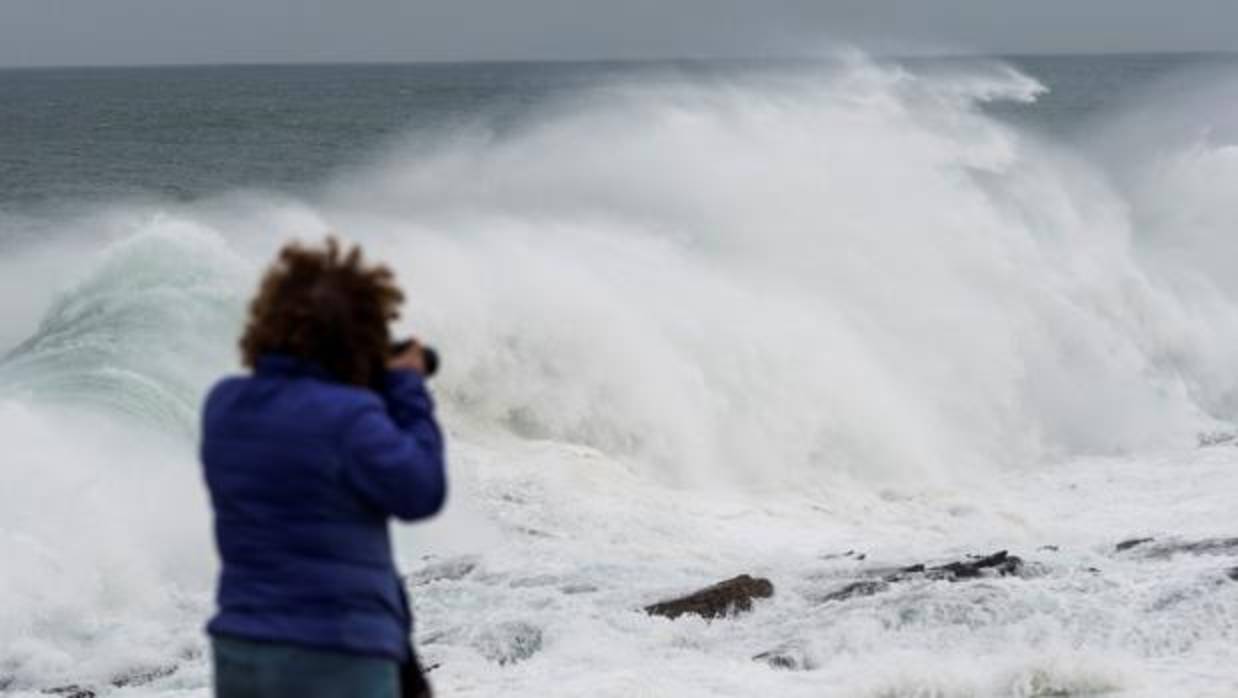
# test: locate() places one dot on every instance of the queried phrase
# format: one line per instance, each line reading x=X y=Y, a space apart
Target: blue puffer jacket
x=304 y=474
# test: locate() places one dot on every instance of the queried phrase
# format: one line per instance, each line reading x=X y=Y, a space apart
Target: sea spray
x=858 y=272
x=691 y=329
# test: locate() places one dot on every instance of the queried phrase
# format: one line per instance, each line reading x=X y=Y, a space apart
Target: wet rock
x=1000 y=564
x=731 y=596
x=854 y=590
x=850 y=554
x=452 y=570
x=1208 y=546
x=1232 y=573
x=70 y=692
x=1132 y=543
x=789 y=657
x=141 y=677
x=510 y=642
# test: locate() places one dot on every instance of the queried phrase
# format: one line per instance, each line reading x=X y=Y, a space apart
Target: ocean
x=814 y=321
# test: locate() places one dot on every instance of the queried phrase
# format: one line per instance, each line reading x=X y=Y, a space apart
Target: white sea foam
x=691 y=330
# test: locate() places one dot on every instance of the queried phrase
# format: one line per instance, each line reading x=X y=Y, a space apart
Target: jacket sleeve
x=396 y=454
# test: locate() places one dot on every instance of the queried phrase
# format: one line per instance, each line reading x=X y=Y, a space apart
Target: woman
x=306 y=460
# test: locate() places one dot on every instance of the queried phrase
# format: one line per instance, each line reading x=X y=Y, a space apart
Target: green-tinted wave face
x=141 y=335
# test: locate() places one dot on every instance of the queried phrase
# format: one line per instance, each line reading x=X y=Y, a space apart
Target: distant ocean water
x=807 y=321
x=73 y=134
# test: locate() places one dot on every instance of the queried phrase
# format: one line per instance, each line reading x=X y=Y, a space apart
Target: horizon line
x=616 y=60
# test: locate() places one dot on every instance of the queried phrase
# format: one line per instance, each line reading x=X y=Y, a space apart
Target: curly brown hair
x=325 y=305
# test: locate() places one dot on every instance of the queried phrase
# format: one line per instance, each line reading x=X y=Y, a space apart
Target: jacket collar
x=275 y=364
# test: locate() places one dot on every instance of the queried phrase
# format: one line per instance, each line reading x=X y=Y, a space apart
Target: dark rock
x=1132 y=543
x=723 y=598
x=777 y=660
x=849 y=554
x=1208 y=546
x=70 y=692
x=1215 y=546
x=1232 y=573
x=789 y=657
x=1000 y=564
x=855 y=590
x=141 y=677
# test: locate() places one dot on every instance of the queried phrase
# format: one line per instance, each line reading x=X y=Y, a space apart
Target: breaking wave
x=853 y=274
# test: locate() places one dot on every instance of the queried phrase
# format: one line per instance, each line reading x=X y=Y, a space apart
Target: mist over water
x=758 y=315
x=858 y=271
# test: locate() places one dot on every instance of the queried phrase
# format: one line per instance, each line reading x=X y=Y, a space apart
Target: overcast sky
x=95 y=32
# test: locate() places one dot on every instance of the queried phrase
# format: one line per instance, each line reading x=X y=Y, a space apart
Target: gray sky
x=93 y=32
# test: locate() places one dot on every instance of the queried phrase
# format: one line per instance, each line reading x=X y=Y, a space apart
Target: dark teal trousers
x=245 y=669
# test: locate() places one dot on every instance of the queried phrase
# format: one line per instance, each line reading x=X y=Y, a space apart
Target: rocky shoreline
x=511 y=643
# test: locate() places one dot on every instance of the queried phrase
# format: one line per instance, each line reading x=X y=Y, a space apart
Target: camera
x=427 y=352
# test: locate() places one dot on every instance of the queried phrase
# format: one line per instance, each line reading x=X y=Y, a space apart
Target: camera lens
x=431 y=360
